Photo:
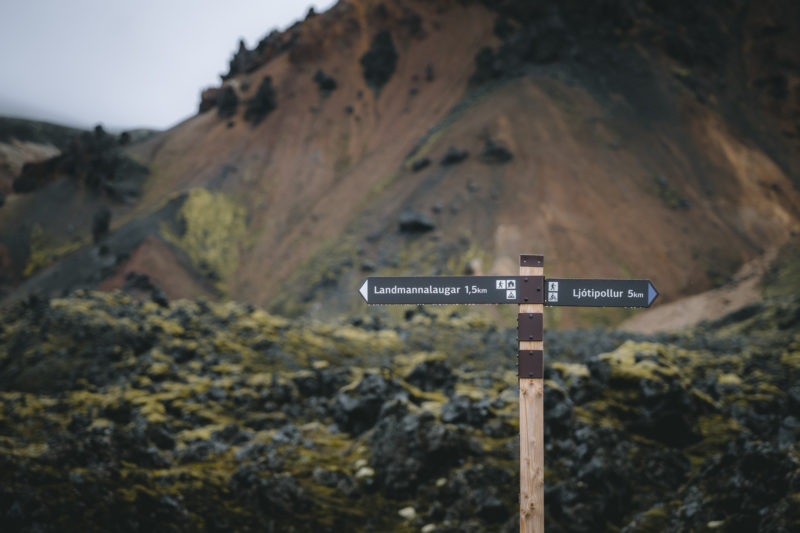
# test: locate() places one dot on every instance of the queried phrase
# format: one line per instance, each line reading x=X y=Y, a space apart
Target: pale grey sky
x=125 y=64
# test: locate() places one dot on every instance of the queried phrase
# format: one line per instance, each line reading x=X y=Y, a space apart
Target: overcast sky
x=125 y=64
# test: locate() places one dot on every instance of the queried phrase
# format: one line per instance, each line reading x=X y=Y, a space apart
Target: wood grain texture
x=531 y=434
x=531 y=456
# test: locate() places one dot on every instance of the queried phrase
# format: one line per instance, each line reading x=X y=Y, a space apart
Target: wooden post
x=531 y=397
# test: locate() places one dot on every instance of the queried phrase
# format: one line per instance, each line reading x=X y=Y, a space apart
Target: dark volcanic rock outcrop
x=378 y=63
x=454 y=156
x=411 y=221
x=358 y=412
x=243 y=61
x=420 y=164
x=101 y=221
x=208 y=99
x=325 y=82
x=227 y=102
x=409 y=448
x=263 y=102
x=495 y=153
x=93 y=158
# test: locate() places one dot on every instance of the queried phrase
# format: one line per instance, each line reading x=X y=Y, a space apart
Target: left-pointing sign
x=441 y=290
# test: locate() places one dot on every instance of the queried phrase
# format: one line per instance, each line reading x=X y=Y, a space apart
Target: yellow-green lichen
x=44 y=249
x=423 y=148
x=212 y=227
x=642 y=360
x=729 y=379
x=571 y=370
x=783 y=276
x=791 y=359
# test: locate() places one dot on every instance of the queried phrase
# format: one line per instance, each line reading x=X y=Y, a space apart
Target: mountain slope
x=635 y=150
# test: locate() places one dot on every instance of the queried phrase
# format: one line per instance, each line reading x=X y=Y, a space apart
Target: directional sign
x=530 y=291
x=599 y=292
x=441 y=290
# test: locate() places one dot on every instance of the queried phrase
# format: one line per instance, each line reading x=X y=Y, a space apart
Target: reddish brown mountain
x=634 y=139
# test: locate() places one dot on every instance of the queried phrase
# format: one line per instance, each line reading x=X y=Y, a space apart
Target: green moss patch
x=210 y=229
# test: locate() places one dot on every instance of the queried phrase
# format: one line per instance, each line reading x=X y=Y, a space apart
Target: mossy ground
x=117 y=414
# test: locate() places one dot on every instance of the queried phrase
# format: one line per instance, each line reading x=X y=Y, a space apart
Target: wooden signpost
x=531 y=291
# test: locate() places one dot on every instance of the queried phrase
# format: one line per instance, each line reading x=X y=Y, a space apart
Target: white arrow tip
x=364 y=290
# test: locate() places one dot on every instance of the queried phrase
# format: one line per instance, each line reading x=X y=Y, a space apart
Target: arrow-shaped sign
x=441 y=290
x=600 y=292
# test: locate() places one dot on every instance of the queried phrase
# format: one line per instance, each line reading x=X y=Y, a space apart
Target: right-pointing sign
x=599 y=292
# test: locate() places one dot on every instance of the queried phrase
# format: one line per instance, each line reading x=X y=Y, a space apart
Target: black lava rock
x=454 y=156
x=481 y=492
x=326 y=83
x=599 y=488
x=543 y=40
x=487 y=66
x=227 y=102
x=232 y=434
x=357 y=411
x=244 y=60
x=101 y=220
x=263 y=102
x=409 y=448
x=161 y=437
x=200 y=450
x=335 y=479
x=413 y=222
x=412 y=22
x=747 y=487
x=494 y=153
x=558 y=408
x=323 y=382
x=277 y=496
x=503 y=28
x=431 y=376
x=96 y=159
x=464 y=410
x=419 y=164
x=379 y=62
x=135 y=281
